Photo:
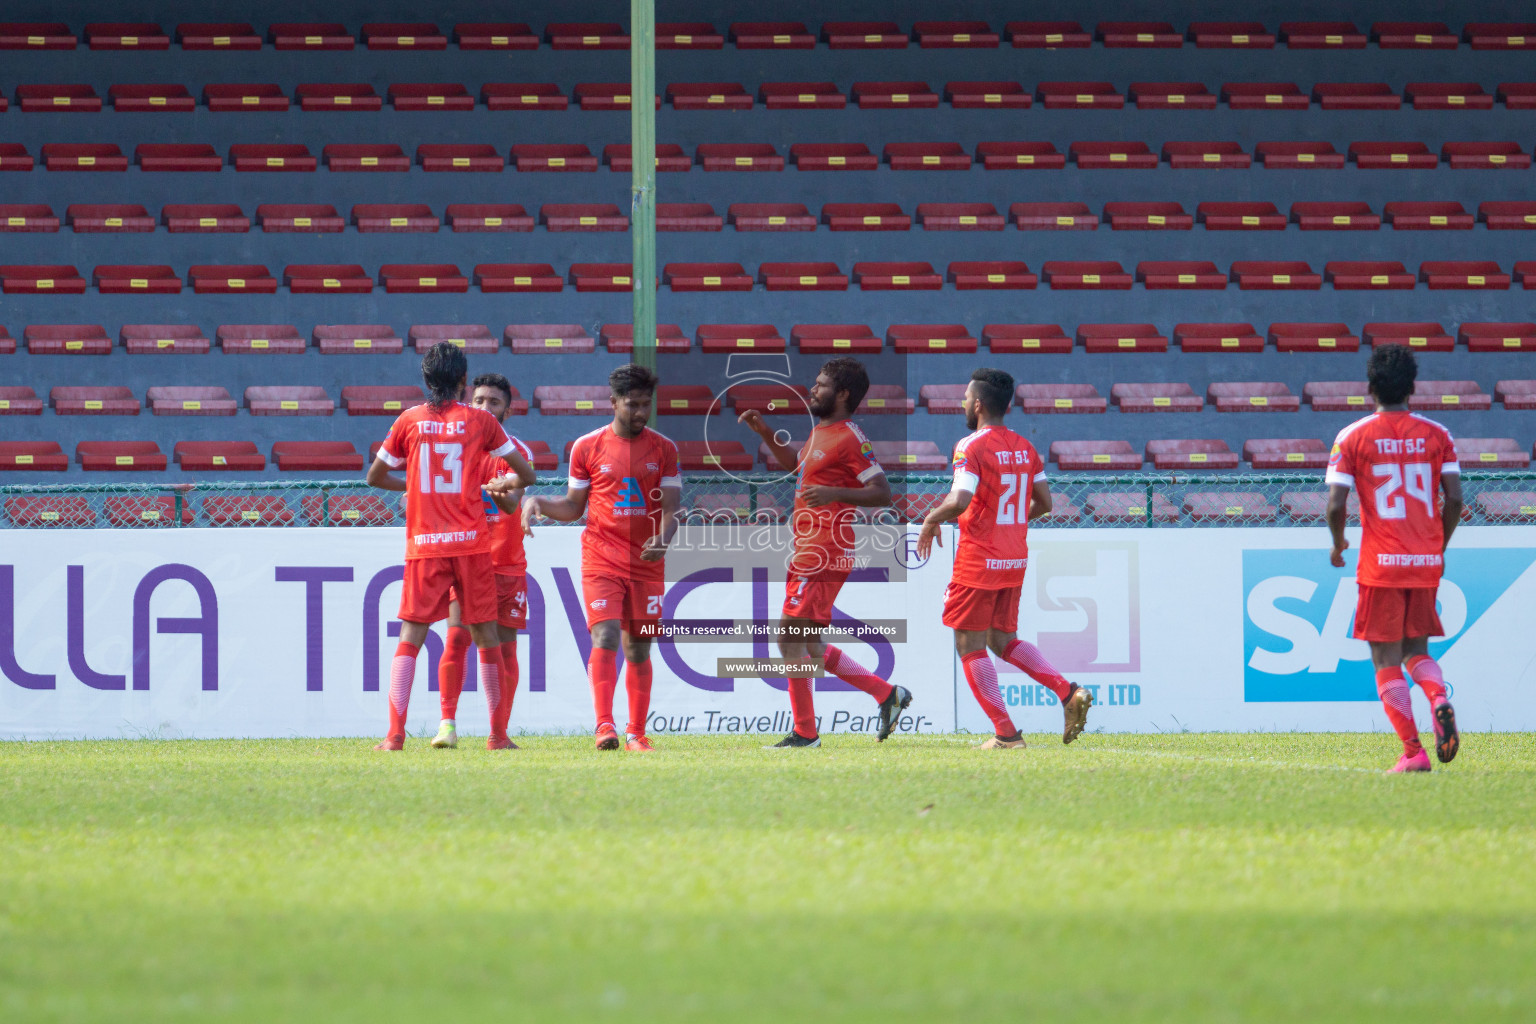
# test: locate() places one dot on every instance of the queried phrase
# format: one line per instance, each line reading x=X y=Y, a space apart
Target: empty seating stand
x=1170 y=397
x=359 y=96
x=604 y=96
x=1413 y=35
x=1482 y=274
x=367 y=157
x=317 y=456
x=1331 y=216
x=1251 y=396
x=1029 y=156
x=723 y=338
x=1264 y=96
x=1113 y=156
x=706 y=277
x=300 y=217
x=532 y=339
x=66 y=339
x=896 y=276
x=36 y=35
x=688 y=35
x=1336 y=395
x=771 y=35
x=1392 y=155
x=119 y=35
x=83 y=156
x=582 y=217
x=708 y=96
x=1498 y=337
x=1198 y=453
x=1113 y=456
x=380 y=399
x=1428 y=216
x=1430 y=337
x=1053 y=217
x=603 y=35
x=204 y=217
x=151 y=98
x=1448 y=96
x=418 y=35
x=1240 y=216
x=926 y=156
x=1485 y=156
x=518 y=277
x=136 y=279
x=1492 y=453
x=1086 y=274
x=1285 y=453
x=474 y=339
x=422 y=277
x=959 y=217
x=271 y=157
x=32 y=456
x=1180 y=274
x=1237 y=507
x=394 y=217
x=44 y=279
x=229 y=98
x=1047 y=35
x=488 y=217
x=571 y=399
x=966 y=275
x=620 y=338
x=741 y=156
x=120 y=456
x=954 y=34
x=327 y=278
x=1299 y=156
x=1313 y=337
x=1367 y=274
x=272 y=339
x=833 y=156
x=93 y=400
x=356 y=339
x=523 y=96
x=1439 y=395
x=1275 y=275
x=163 y=339
x=942 y=399
x=1053 y=399
x=57 y=99
x=1231 y=35
x=310 y=36
x=189 y=400
x=226 y=35
x=113 y=217
x=1172 y=96
x=28 y=217
x=865 y=217
x=801 y=277
x=239 y=278
x=801 y=96
x=913 y=339
x=430 y=96
x=1516 y=394
x=894 y=95
x=1158 y=216
x=19 y=400
x=1356 y=96
x=835 y=339
x=1079 y=96
x=987 y=95
x=687 y=217
x=1184 y=156
x=1019 y=339
x=217 y=456
x=1097 y=338
x=670 y=158
x=1322 y=35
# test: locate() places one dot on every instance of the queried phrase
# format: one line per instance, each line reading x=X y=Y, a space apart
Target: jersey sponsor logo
x=630 y=496
x=1298 y=613
x=867 y=449
x=445 y=537
x=599 y=604
x=1087 y=605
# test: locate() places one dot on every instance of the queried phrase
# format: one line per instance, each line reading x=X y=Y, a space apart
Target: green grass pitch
x=1124 y=878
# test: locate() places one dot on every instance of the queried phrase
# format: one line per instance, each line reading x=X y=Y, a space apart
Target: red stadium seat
x=1347 y=216
x=1500 y=35
x=1322 y=35
x=605 y=96
x=942 y=399
x=686 y=400
x=1299 y=156
x=1228 y=506
x=37 y=99
x=136 y=279
x=670 y=158
x=1313 y=337
x=241 y=278
x=1525 y=273
x=1492 y=453
x=1285 y=453
x=310 y=36
x=835 y=339
x=1053 y=217
x=1432 y=395
x=1101 y=456
x=687 y=217
x=66 y=339
x=771 y=217
x=543 y=458
x=1251 y=396
x=1519 y=506
x=532 y=339
x=1183 y=156
x=911 y=339
x=32 y=456
x=7 y=343
x=119 y=456
x=126 y=35
x=1337 y=395
x=308 y=218
x=1079 y=96
x=704 y=456
x=1367 y=274
x=801 y=96
x=1231 y=35
x=865 y=217
x=360 y=339
x=987 y=96
x=1012 y=156
x=430 y=96
x=582 y=217
x=19 y=400
x=911 y=456
x=558 y=158
x=954 y=34
x=572 y=399
x=1414 y=35
x=1049 y=399
x=474 y=339
x=224 y=35
x=518 y=277
x=154 y=98
x=1356 y=96
x=1485 y=156
x=36 y=35
x=1139 y=35
x=1128 y=507
x=1134 y=156
x=422 y=277
x=1448 y=96
x=1159 y=216
x=523 y=96
x=245 y=98
x=1518 y=95
x=1182 y=453
x=114 y=217
x=620 y=338
x=338 y=95
x=802 y=277
x=190 y=400
x=1482 y=274
x=1498 y=337
x=488 y=217
x=163 y=339
x=894 y=95
x=333 y=509
x=1240 y=216
x=380 y=399
x=1086 y=274
x=415 y=35
x=1430 y=337
x=717 y=338
x=1264 y=96
x=1100 y=338
x=1019 y=339
x=210 y=456
x=1275 y=275
x=28 y=217
x=706 y=277
x=83 y=156
x=1428 y=216
x=327 y=278
x=181 y=218
x=337 y=456
x=594 y=35
x=288 y=400
x=1516 y=394
x=247 y=510
x=1392 y=155
x=926 y=156
x=688 y=35
x=969 y=275
x=1155 y=398
x=863 y=35
x=888 y=399
x=1047 y=35
x=739 y=156
x=394 y=217
x=1220 y=337
x=898 y=276
x=708 y=96
x=1172 y=96
x=49 y=511
x=367 y=157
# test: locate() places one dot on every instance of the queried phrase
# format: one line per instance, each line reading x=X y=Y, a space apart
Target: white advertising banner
x=289 y=632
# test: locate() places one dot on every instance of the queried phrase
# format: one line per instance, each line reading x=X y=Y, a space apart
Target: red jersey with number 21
x=1395 y=460
x=999 y=468
x=441 y=450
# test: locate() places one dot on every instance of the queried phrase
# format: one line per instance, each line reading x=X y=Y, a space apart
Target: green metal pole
x=642 y=215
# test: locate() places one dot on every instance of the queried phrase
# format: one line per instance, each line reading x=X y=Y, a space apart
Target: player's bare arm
x=562 y=510
x=1450 y=510
x=380 y=475
x=1040 y=500
x=875 y=494
x=526 y=475
x=1337 y=512
x=783 y=454
x=510 y=502
x=655 y=547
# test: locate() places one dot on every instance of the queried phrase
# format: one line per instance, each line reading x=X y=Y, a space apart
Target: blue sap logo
x=1298 y=612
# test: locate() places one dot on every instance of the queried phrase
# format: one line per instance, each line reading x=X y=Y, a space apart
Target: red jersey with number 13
x=441 y=450
x=999 y=468
x=1395 y=460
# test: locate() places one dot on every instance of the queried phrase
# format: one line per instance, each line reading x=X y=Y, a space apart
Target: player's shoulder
x=975 y=440
x=1361 y=427
x=660 y=440
x=853 y=432
x=1435 y=425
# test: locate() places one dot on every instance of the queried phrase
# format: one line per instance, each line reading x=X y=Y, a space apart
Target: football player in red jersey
x=493 y=393
x=624 y=476
x=447 y=540
x=1399 y=462
x=837 y=472
x=999 y=488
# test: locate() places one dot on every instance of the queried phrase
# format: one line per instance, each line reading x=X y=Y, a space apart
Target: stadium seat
x=911 y=456
x=367 y=157
x=1288 y=156
x=1392 y=155
x=1240 y=216
x=244 y=98
x=926 y=156
x=7 y=343
x=738 y=156
x=533 y=339
x=1101 y=338
x=37 y=99
x=523 y=96
x=1251 y=396
x=686 y=400
x=1337 y=395
x=1285 y=453
x=1184 y=156
x=553 y=157
x=1157 y=216
x=47 y=279
x=708 y=96
x=1491 y=453
x=1264 y=96
x=801 y=96
x=189 y=400
x=210 y=456
x=19 y=400
x=1172 y=96
x=32 y=456
x=1517 y=95
x=1516 y=394
x=1211 y=507
x=1368 y=274
x=151 y=99
x=987 y=96
x=1101 y=456
x=1322 y=35
x=1169 y=397
x=126 y=35
x=954 y=34
x=1500 y=35
x=707 y=456
x=488 y=217
x=706 y=277
x=605 y=96
x=224 y=35
x=1481 y=274
x=66 y=339
x=1517 y=506
x=518 y=277
x=586 y=35
x=474 y=339
x=1019 y=339
x=898 y=276
x=422 y=277
x=1273 y=275
x=303 y=399
x=29 y=217
x=241 y=278
x=1525 y=274
x=582 y=217
x=83 y=156
x=1313 y=337
x=865 y=217
x=119 y=456
x=802 y=277
x=430 y=96
x=968 y=275
x=327 y=278
x=572 y=399
x=835 y=339
x=1218 y=337
x=163 y=339
x=415 y=35
x=1464 y=156
x=1356 y=96
x=1079 y=96
x=670 y=158
x=114 y=217
x=1053 y=217
x=136 y=279
x=543 y=459
x=310 y=36
x=1346 y=216
x=894 y=95
x=1428 y=336
x=1414 y=35
x=358 y=96
x=181 y=218
x=356 y=339
x=1439 y=395
x=1498 y=337
x=833 y=156
x=942 y=399
x=1448 y=96
x=305 y=218
x=246 y=510
x=1428 y=216
x=334 y=509
x=688 y=35
x=1231 y=35
x=271 y=157
x=394 y=217
x=1128 y=506
x=687 y=217
x=912 y=339
x=1201 y=453
x=1134 y=156
x=1050 y=399
x=317 y=456
x=1046 y=35
x=380 y=399
x=620 y=338
x=887 y=399
x=278 y=339
x=1139 y=35
x=1086 y=274
x=863 y=35
x=32 y=510
x=717 y=338
x=1013 y=156
x=36 y=35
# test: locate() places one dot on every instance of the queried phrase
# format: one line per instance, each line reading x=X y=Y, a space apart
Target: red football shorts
x=811 y=597
x=1385 y=614
x=511 y=600
x=430 y=583
x=975 y=610
x=632 y=602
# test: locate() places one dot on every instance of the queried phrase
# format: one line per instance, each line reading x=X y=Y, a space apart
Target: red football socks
x=508 y=689
x=1393 y=689
x=603 y=674
x=1027 y=658
x=854 y=674
x=637 y=680
x=402 y=673
x=982 y=676
x=802 y=704
x=450 y=671
x=1425 y=671
x=490 y=681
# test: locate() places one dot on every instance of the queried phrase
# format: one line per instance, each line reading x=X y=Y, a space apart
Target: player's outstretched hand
x=530 y=509
x=929 y=536
x=502 y=484
x=1337 y=558
x=815 y=495
x=655 y=549
x=753 y=421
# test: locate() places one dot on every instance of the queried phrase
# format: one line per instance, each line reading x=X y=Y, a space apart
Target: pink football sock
x=1027 y=658
x=982 y=676
x=1393 y=689
x=854 y=674
x=1425 y=671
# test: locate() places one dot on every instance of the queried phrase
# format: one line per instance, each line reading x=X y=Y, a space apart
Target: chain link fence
x=1146 y=500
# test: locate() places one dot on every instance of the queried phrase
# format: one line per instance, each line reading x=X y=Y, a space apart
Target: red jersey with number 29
x=626 y=476
x=999 y=468
x=441 y=450
x=1395 y=460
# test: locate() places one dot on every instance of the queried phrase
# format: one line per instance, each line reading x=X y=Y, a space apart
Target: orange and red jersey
x=1395 y=460
x=624 y=505
x=507 y=553
x=999 y=468
x=440 y=450
x=835 y=455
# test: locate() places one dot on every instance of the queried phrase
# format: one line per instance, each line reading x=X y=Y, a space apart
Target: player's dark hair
x=443 y=369
x=848 y=375
x=493 y=380
x=631 y=378
x=1391 y=372
x=994 y=389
